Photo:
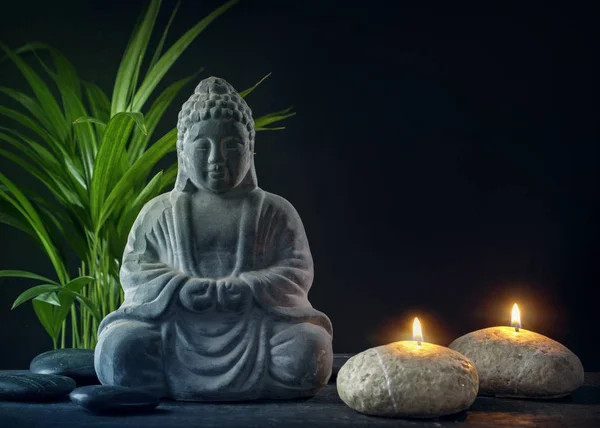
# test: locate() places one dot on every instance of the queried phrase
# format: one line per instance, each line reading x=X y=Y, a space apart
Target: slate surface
x=582 y=409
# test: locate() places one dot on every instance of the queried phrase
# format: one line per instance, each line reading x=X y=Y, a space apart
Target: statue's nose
x=216 y=154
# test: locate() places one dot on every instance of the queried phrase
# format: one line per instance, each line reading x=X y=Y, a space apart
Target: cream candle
x=408 y=379
x=515 y=362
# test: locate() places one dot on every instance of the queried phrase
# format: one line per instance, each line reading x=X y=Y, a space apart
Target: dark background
x=444 y=158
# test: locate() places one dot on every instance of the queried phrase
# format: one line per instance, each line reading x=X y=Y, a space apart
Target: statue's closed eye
x=234 y=144
x=203 y=145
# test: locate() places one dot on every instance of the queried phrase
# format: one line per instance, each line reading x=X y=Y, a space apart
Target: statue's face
x=216 y=154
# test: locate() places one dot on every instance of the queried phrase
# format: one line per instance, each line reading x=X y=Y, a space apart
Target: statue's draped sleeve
x=149 y=280
x=285 y=273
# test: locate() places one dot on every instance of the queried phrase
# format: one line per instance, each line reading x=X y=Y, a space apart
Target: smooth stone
x=113 y=399
x=34 y=387
x=403 y=380
x=78 y=364
x=338 y=361
x=520 y=364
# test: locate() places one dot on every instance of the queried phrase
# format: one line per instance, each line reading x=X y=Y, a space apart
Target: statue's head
x=215 y=140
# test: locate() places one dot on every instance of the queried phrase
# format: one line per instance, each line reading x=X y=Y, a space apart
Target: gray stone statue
x=216 y=275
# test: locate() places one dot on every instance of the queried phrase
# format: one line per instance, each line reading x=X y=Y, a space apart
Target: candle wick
x=418 y=343
x=516 y=329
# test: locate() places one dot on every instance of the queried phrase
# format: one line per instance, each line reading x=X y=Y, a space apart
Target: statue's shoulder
x=279 y=204
x=156 y=207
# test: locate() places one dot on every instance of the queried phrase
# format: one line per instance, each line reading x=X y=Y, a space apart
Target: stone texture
x=403 y=380
x=113 y=399
x=338 y=361
x=217 y=272
x=78 y=364
x=34 y=387
x=326 y=409
x=520 y=364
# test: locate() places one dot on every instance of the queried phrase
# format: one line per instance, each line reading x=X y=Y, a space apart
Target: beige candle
x=408 y=379
x=514 y=362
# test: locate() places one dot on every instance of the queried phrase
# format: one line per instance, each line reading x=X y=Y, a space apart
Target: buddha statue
x=216 y=275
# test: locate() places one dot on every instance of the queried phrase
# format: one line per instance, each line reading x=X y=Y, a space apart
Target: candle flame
x=515 y=319
x=417 y=332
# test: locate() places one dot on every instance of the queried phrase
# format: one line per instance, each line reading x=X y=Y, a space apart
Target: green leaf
x=49 y=297
x=78 y=283
x=139 y=121
x=99 y=102
x=44 y=313
x=35 y=127
x=15 y=220
x=48 y=218
x=279 y=128
x=110 y=155
x=64 y=67
x=25 y=274
x=84 y=119
x=33 y=150
x=159 y=48
x=86 y=137
x=116 y=246
x=245 y=92
x=34 y=292
x=70 y=87
x=11 y=216
x=43 y=94
x=279 y=113
x=129 y=214
x=137 y=172
x=93 y=308
x=75 y=176
x=54 y=169
x=267 y=119
x=140 y=141
x=25 y=121
x=156 y=73
x=30 y=104
x=53 y=182
x=25 y=165
x=67 y=298
x=169 y=177
x=150 y=191
x=130 y=65
x=24 y=206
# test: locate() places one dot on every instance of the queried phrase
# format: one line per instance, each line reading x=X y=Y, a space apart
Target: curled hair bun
x=214 y=85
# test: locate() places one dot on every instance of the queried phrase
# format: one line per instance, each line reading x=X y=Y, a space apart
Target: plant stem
x=74 y=332
x=62 y=334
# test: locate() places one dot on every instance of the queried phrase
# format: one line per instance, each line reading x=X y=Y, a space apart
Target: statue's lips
x=216 y=174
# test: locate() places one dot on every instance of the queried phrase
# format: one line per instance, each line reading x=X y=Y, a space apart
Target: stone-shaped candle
x=410 y=379
x=216 y=275
x=514 y=362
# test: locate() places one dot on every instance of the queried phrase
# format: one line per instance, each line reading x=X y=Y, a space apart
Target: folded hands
x=227 y=294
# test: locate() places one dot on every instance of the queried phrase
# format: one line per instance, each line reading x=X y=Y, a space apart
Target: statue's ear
x=183 y=183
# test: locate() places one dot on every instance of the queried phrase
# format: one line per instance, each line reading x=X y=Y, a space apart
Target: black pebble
x=34 y=387
x=113 y=399
x=78 y=364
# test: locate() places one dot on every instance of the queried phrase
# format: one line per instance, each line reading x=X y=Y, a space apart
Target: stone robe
x=275 y=346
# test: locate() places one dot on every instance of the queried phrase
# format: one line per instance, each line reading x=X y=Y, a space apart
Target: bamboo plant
x=94 y=155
